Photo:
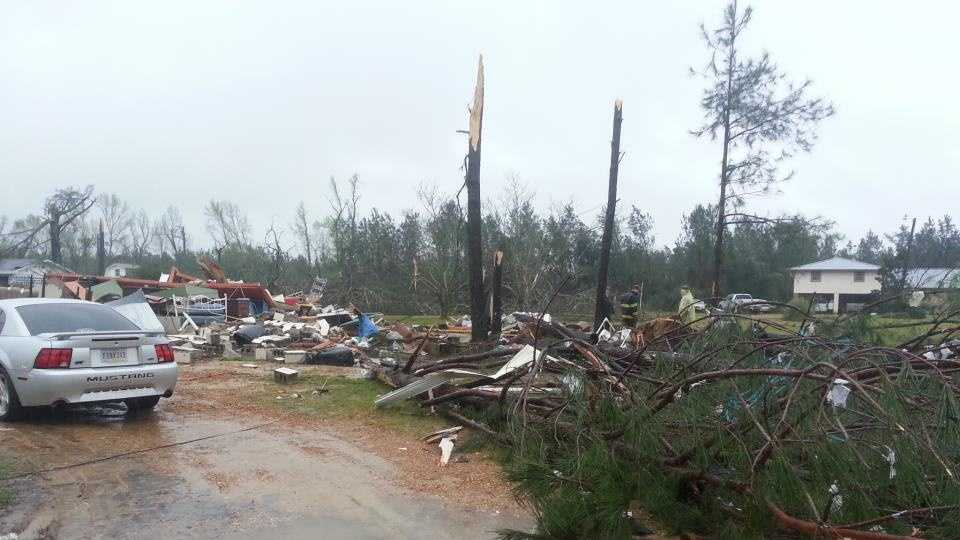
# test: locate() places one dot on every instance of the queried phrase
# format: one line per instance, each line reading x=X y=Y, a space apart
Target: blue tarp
x=367 y=328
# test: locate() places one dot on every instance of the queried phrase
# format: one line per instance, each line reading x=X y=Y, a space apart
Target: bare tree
x=78 y=241
x=142 y=234
x=279 y=257
x=227 y=225
x=171 y=232
x=760 y=118
x=63 y=208
x=320 y=240
x=5 y=241
x=524 y=241
x=343 y=229
x=301 y=227
x=22 y=237
x=115 y=217
x=440 y=268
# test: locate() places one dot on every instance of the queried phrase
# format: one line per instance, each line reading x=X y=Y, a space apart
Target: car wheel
x=142 y=404
x=10 y=408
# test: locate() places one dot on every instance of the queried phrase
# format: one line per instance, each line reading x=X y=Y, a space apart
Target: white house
x=119 y=269
x=841 y=283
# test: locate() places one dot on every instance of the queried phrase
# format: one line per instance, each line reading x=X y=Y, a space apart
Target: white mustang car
x=62 y=352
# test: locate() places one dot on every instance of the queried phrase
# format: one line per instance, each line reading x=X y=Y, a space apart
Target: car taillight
x=53 y=359
x=164 y=353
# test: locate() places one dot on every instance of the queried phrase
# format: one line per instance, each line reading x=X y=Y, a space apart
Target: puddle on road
x=241 y=483
x=56 y=438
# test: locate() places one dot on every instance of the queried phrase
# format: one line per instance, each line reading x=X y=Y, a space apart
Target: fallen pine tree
x=719 y=428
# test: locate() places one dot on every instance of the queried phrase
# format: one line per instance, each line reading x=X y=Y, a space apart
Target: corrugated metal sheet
x=934 y=278
x=431 y=381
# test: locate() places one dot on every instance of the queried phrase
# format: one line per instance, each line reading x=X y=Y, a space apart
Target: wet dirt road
x=272 y=481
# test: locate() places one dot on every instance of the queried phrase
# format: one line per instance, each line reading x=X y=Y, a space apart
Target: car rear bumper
x=67 y=386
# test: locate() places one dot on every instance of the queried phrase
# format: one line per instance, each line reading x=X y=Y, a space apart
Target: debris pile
x=812 y=434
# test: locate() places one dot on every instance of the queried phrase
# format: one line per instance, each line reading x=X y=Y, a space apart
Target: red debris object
x=253 y=291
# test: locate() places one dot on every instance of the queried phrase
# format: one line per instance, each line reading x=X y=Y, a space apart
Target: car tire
x=10 y=408
x=144 y=404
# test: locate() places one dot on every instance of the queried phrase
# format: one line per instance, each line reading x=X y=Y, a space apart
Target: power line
x=134 y=452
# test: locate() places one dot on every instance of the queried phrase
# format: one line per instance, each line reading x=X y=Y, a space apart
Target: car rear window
x=44 y=318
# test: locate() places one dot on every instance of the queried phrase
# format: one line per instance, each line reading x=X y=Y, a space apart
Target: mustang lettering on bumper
x=122 y=377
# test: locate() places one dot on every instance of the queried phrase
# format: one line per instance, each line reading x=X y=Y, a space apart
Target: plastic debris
x=836 y=499
x=446 y=448
x=839 y=391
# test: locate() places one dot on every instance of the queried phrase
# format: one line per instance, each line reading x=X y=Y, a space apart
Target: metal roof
x=12 y=265
x=934 y=278
x=9 y=266
x=836 y=263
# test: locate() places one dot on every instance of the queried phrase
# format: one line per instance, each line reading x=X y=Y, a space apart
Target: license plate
x=113 y=355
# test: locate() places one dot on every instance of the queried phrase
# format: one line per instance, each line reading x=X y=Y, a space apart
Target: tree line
x=414 y=261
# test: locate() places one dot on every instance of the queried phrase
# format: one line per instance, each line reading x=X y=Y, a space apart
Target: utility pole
x=478 y=314
x=608 y=221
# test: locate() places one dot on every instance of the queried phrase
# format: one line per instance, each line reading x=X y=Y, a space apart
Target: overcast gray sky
x=177 y=102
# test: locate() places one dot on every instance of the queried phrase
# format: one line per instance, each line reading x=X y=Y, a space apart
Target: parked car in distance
x=64 y=352
x=744 y=302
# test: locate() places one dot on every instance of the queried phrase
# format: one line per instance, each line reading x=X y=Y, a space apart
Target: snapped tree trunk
x=101 y=252
x=608 y=222
x=474 y=220
x=496 y=294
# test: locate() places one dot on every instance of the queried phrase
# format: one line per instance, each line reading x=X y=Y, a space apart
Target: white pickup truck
x=744 y=302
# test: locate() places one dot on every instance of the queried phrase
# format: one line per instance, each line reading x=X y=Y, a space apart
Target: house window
x=815 y=276
x=859 y=277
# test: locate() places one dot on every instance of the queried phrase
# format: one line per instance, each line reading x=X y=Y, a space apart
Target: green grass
x=886 y=331
x=350 y=400
x=6 y=496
